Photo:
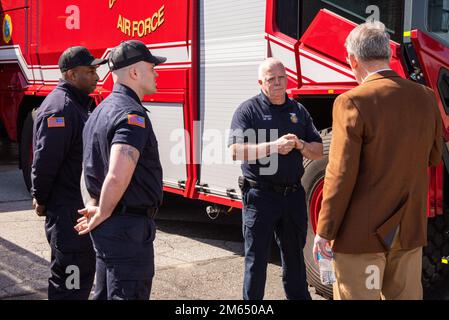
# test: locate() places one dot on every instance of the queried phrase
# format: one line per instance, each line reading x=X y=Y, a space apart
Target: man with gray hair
x=386 y=132
x=271 y=130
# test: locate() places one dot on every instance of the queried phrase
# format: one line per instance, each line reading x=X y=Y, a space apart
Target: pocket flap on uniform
x=386 y=232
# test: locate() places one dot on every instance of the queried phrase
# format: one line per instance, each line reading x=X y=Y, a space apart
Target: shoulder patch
x=56 y=122
x=136 y=120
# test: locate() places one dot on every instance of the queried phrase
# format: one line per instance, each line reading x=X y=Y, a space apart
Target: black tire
x=435 y=274
x=314 y=173
x=26 y=145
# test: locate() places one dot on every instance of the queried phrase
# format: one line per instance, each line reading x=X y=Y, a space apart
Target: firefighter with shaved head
x=123 y=178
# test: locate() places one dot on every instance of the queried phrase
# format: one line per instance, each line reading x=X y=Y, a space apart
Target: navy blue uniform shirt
x=260 y=115
x=121 y=118
x=58 y=147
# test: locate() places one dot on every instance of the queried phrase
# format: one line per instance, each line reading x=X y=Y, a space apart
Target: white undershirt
x=387 y=69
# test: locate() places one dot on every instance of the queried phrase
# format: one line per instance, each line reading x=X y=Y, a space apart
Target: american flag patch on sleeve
x=136 y=120
x=56 y=122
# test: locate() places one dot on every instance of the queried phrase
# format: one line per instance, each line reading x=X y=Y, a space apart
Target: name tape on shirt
x=136 y=120
x=56 y=122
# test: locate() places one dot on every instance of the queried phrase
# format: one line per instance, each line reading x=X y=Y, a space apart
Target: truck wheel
x=26 y=148
x=435 y=275
x=313 y=181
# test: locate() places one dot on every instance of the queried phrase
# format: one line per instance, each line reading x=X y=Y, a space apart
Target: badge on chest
x=293 y=118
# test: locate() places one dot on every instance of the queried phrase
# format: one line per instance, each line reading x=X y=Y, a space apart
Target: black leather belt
x=149 y=212
x=282 y=189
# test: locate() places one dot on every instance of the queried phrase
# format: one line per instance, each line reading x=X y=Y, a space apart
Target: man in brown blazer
x=386 y=132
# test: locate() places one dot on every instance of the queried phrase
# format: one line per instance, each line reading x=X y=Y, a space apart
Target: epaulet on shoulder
x=246 y=104
x=299 y=104
x=67 y=104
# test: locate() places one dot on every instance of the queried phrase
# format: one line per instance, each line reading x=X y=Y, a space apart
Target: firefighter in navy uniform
x=123 y=176
x=56 y=172
x=273 y=198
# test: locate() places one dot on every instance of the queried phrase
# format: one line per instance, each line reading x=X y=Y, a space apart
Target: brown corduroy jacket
x=386 y=133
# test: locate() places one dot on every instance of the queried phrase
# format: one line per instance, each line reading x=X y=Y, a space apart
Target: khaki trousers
x=392 y=275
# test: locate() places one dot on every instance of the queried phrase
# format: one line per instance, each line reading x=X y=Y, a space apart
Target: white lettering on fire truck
x=375 y=13
x=73 y=20
x=141 y=28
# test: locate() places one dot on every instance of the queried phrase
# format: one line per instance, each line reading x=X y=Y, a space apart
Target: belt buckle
x=286 y=191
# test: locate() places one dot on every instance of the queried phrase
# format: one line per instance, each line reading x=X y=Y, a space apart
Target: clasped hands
x=287 y=143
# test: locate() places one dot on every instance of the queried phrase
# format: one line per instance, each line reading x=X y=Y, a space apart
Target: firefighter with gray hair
x=273 y=200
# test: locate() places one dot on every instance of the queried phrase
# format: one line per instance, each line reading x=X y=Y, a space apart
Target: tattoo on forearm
x=130 y=153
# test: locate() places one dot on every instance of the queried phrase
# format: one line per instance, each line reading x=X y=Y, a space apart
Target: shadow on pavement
x=23 y=274
x=18 y=205
x=187 y=217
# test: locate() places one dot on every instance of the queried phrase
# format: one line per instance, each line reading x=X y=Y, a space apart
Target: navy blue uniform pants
x=265 y=213
x=125 y=257
x=72 y=263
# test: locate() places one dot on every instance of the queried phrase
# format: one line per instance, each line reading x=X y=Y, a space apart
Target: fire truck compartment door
x=167 y=120
x=232 y=45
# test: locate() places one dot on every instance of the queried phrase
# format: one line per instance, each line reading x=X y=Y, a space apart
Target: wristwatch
x=303 y=145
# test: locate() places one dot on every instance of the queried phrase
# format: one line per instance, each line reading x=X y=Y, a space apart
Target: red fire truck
x=213 y=49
